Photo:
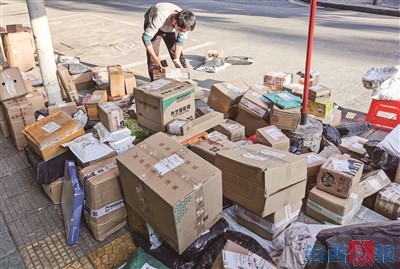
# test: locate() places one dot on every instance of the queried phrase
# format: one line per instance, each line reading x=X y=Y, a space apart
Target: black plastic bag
x=331 y=134
x=353 y=128
x=296 y=146
x=382 y=159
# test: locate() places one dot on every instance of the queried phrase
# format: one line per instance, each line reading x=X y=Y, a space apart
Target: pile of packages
x=153 y=157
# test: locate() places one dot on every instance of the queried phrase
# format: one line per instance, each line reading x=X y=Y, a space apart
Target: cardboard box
x=334 y=118
x=374 y=181
x=42 y=91
x=215 y=135
x=263 y=166
x=46 y=136
x=318 y=93
x=214 y=54
x=233 y=130
x=339 y=175
x=270 y=226
x=250 y=122
x=162 y=101
x=111 y=116
x=67 y=84
x=208 y=148
x=19 y=50
x=37 y=100
x=199 y=126
x=13 y=28
x=175 y=191
x=99 y=96
x=277 y=80
x=254 y=102
x=326 y=207
x=105 y=210
x=295 y=89
x=200 y=111
x=225 y=97
x=178 y=74
x=272 y=137
x=312 y=82
x=116 y=80
x=2 y=113
x=235 y=256
x=54 y=190
x=314 y=163
x=69 y=108
x=320 y=108
x=137 y=223
x=354 y=146
x=19 y=113
x=12 y=85
x=4 y=129
x=285 y=119
x=130 y=82
x=83 y=81
x=179 y=127
x=257 y=199
x=388 y=202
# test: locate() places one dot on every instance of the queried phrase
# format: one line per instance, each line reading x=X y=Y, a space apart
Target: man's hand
x=157 y=61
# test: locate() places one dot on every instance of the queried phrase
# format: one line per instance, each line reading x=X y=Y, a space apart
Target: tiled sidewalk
x=32 y=228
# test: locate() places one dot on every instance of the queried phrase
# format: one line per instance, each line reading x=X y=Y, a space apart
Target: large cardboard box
x=254 y=102
x=130 y=82
x=270 y=226
x=273 y=137
x=388 y=201
x=321 y=108
x=111 y=116
x=46 y=136
x=374 y=181
x=105 y=210
x=258 y=199
x=233 y=130
x=137 y=223
x=285 y=119
x=70 y=108
x=37 y=100
x=54 y=190
x=92 y=109
x=225 y=97
x=19 y=113
x=314 y=163
x=208 y=148
x=19 y=50
x=179 y=74
x=175 y=191
x=263 y=166
x=326 y=207
x=162 y=101
x=116 y=80
x=235 y=256
x=276 y=80
x=339 y=175
x=12 y=84
x=250 y=122
x=83 y=81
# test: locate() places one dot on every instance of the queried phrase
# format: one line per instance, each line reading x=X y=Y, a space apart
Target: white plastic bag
x=384 y=82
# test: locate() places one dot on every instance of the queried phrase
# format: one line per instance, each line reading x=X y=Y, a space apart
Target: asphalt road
x=272 y=32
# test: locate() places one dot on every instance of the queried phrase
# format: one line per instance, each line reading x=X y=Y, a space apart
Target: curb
x=367 y=8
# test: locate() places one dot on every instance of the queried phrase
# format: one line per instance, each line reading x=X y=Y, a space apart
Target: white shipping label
x=233 y=260
x=271 y=153
x=231 y=126
x=254 y=157
x=340 y=165
x=97 y=96
x=312 y=159
x=157 y=84
x=382 y=175
x=147 y=266
x=234 y=89
x=357 y=145
x=374 y=184
x=51 y=127
x=167 y=164
x=285 y=96
x=275 y=134
x=348 y=141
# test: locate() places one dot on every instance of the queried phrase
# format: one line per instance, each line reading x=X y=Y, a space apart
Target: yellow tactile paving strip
x=114 y=253
x=53 y=252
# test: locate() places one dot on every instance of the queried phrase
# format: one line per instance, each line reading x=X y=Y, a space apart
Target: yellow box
x=321 y=108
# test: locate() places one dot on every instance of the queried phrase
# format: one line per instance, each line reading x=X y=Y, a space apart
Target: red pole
x=308 y=62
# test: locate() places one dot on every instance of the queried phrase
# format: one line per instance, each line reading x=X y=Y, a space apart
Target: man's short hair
x=185 y=19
